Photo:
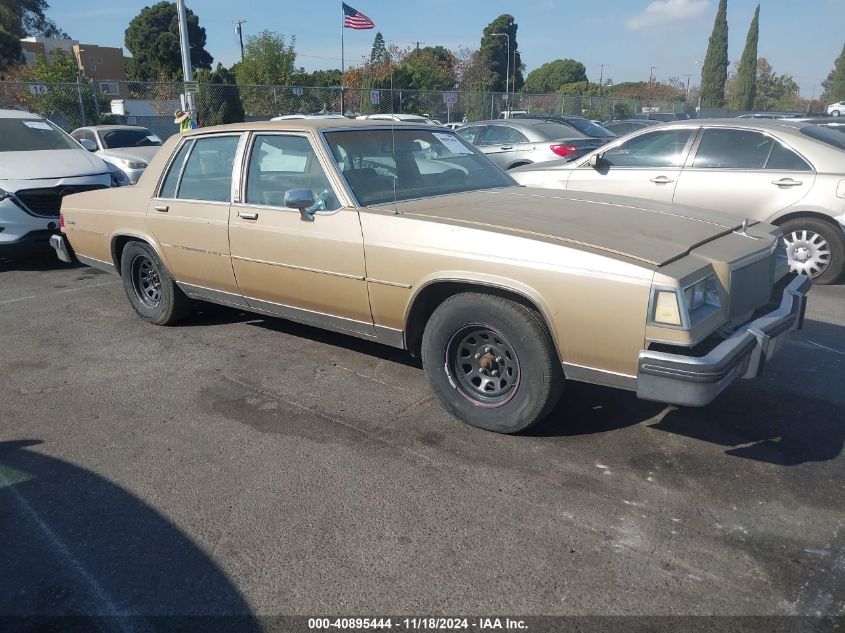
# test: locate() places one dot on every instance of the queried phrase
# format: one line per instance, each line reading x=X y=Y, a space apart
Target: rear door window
x=208 y=172
x=733 y=149
x=500 y=135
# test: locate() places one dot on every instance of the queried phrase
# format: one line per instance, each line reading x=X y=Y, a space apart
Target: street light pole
x=507 y=70
x=187 y=70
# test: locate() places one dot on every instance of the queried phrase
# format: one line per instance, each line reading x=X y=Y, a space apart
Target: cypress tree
x=714 y=72
x=745 y=87
x=836 y=88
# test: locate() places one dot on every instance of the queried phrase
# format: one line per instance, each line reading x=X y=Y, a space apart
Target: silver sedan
x=783 y=172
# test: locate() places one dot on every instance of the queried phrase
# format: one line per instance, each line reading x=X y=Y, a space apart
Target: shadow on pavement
x=36 y=263
x=75 y=544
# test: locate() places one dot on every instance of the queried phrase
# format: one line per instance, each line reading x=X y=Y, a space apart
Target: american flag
x=354 y=19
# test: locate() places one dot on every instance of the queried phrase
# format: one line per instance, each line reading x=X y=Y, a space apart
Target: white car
x=130 y=148
x=836 y=109
x=405 y=118
x=783 y=172
x=40 y=164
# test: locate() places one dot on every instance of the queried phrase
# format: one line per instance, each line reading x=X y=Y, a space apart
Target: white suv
x=836 y=109
x=39 y=164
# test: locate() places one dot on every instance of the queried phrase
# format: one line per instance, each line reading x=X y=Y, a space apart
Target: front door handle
x=247 y=216
x=162 y=208
x=506 y=147
x=787 y=182
x=662 y=180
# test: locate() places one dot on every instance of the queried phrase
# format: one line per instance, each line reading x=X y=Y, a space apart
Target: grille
x=751 y=287
x=48 y=201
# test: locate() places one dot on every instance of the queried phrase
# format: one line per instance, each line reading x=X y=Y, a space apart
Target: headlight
x=131 y=164
x=119 y=179
x=704 y=292
x=684 y=308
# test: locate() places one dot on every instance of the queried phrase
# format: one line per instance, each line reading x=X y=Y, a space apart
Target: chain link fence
x=72 y=105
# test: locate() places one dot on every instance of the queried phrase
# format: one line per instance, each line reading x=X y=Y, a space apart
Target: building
x=97 y=62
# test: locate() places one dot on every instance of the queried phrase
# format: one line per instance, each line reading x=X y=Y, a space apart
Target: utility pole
x=651 y=70
x=240 y=34
x=688 y=78
x=601 y=78
x=187 y=70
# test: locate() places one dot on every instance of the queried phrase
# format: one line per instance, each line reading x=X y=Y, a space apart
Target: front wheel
x=149 y=287
x=835 y=113
x=815 y=248
x=491 y=362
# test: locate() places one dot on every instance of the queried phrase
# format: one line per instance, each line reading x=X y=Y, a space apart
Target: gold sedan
x=408 y=236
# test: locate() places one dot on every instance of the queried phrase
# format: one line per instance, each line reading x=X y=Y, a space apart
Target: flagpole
x=342 y=57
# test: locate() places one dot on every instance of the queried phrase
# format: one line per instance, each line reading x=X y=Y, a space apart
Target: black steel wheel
x=492 y=362
x=149 y=287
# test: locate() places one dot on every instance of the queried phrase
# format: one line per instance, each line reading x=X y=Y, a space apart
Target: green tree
x=218 y=100
x=551 y=76
x=745 y=84
x=21 y=18
x=714 y=72
x=493 y=53
x=428 y=68
x=774 y=92
x=268 y=59
x=153 y=40
x=834 y=85
x=378 y=54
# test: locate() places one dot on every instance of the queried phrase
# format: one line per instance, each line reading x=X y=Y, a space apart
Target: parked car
x=516 y=142
x=626 y=126
x=454 y=125
x=39 y=165
x=588 y=128
x=128 y=147
x=405 y=118
x=836 y=109
x=503 y=291
x=758 y=115
x=291 y=117
x=784 y=172
x=662 y=116
x=832 y=122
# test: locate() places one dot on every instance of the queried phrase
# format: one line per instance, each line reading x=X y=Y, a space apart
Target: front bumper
x=695 y=381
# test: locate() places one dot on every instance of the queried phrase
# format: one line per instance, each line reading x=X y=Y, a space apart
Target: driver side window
x=664 y=148
x=279 y=163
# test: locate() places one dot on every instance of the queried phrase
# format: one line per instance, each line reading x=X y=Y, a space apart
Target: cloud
x=663 y=12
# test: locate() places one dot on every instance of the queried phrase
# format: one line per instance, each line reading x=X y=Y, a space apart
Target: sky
x=802 y=39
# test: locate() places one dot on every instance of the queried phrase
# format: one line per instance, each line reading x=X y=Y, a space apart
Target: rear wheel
x=491 y=362
x=150 y=288
x=815 y=248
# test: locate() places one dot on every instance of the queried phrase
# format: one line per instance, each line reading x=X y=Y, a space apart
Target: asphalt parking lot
x=238 y=464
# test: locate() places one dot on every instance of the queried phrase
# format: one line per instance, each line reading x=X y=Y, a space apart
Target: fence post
x=81 y=105
x=96 y=101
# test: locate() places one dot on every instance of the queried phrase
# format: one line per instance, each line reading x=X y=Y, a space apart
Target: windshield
x=129 y=138
x=386 y=165
x=24 y=135
x=593 y=130
x=825 y=135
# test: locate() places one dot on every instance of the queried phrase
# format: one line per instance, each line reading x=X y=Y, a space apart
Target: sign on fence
x=297 y=91
x=192 y=86
x=450 y=98
x=375 y=97
x=38 y=89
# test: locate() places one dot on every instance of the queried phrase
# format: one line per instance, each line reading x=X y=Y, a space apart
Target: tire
x=835 y=113
x=823 y=245
x=486 y=334
x=150 y=288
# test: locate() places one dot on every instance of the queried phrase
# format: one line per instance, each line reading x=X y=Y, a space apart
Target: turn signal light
x=61 y=220
x=563 y=149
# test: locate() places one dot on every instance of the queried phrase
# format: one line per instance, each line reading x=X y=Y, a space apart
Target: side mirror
x=595 y=160
x=88 y=144
x=301 y=199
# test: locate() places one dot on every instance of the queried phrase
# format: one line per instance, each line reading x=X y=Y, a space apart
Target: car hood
x=52 y=163
x=144 y=154
x=651 y=233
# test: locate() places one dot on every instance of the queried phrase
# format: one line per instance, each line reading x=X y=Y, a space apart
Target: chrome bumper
x=695 y=381
x=62 y=248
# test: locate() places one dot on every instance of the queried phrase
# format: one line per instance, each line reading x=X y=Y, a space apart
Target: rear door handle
x=162 y=208
x=662 y=180
x=787 y=182
x=506 y=147
x=247 y=216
